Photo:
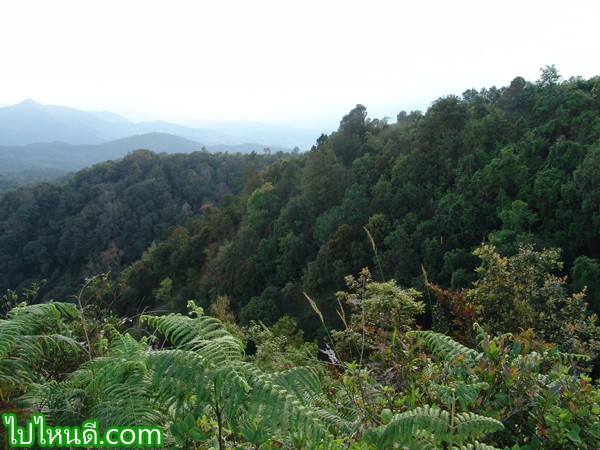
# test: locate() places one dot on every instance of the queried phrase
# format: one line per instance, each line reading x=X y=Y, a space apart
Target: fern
x=204 y=335
x=444 y=346
x=29 y=336
x=432 y=427
x=118 y=387
x=179 y=376
x=280 y=410
x=470 y=426
x=465 y=393
x=302 y=382
x=129 y=403
x=200 y=371
x=31 y=320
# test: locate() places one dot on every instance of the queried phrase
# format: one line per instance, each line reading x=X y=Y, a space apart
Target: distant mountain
x=157 y=142
x=109 y=116
x=30 y=122
x=68 y=157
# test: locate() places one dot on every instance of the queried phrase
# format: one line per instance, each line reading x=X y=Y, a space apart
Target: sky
x=303 y=62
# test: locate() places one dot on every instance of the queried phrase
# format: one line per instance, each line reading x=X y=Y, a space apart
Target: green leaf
x=516 y=349
x=386 y=416
x=573 y=435
x=190 y=421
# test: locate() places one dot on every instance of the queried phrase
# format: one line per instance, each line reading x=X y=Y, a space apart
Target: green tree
x=522 y=291
x=585 y=274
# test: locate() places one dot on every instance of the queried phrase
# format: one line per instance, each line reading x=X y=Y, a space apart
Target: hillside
x=43 y=143
x=69 y=157
x=25 y=165
x=511 y=166
x=28 y=164
x=104 y=217
x=428 y=283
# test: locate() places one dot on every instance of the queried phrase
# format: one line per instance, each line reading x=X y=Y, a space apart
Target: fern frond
x=477 y=446
x=422 y=439
x=556 y=355
x=27 y=338
x=279 y=410
x=203 y=334
x=444 y=346
x=465 y=393
x=480 y=334
x=178 y=375
x=14 y=373
x=119 y=387
x=29 y=320
x=431 y=426
x=61 y=402
x=34 y=348
x=471 y=426
x=127 y=356
x=9 y=331
x=128 y=403
x=405 y=427
x=42 y=313
x=303 y=382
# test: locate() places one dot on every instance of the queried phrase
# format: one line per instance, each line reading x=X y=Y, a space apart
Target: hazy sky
x=307 y=61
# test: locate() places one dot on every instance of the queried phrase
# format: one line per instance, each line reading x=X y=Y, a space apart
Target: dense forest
x=447 y=266
x=105 y=217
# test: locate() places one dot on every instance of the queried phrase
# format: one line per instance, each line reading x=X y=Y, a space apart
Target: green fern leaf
x=477 y=446
x=431 y=426
x=445 y=346
x=404 y=428
x=26 y=339
x=279 y=409
x=468 y=426
x=465 y=393
x=203 y=334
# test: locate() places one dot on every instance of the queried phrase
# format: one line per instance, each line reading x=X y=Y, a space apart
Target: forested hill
x=511 y=166
x=103 y=218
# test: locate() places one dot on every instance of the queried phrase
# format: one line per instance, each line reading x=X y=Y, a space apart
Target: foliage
x=282 y=346
x=515 y=166
x=102 y=218
x=199 y=388
x=380 y=312
x=432 y=427
x=419 y=389
x=35 y=346
x=531 y=387
x=521 y=391
x=429 y=189
x=523 y=292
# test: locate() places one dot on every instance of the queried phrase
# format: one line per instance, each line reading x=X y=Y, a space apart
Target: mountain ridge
x=30 y=122
x=70 y=157
x=59 y=158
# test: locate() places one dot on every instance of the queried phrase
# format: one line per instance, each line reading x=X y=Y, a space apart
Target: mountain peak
x=28 y=102
x=28 y=105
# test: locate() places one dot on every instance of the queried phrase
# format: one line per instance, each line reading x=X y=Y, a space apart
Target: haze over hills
x=29 y=122
x=45 y=142
x=70 y=157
